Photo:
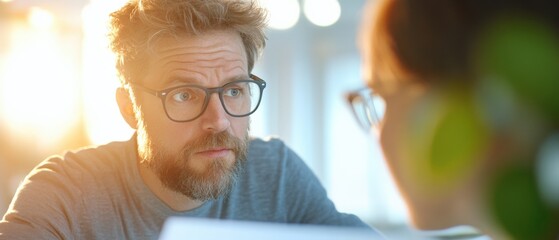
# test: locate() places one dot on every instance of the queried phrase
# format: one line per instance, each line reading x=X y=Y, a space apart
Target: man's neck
x=173 y=199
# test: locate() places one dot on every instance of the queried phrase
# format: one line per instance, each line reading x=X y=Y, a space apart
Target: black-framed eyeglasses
x=368 y=107
x=187 y=102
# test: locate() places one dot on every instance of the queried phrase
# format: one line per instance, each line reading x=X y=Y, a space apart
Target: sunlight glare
x=322 y=13
x=102 y=117
x=37 y=87
x=40 y=18
x=283 y=14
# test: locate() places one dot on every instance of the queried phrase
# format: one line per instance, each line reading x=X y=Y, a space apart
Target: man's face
x=199 y=158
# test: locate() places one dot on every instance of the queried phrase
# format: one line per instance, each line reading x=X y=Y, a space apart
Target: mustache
x=219 y=140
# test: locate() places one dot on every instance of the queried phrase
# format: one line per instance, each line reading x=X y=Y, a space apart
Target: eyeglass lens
x=368 y=108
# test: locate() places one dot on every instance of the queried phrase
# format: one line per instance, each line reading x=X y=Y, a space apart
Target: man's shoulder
x=80 y=186
x=266 y=144
x=271 y=152
x=87 y=159
x=111 y=150
x=79 y=172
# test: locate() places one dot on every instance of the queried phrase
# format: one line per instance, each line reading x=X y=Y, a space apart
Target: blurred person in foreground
x=187 y=89
x=464 y=96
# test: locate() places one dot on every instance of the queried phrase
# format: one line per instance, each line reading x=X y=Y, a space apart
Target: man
x=187 y=89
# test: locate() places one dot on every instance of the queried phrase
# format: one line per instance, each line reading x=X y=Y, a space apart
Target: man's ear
x=126 y=107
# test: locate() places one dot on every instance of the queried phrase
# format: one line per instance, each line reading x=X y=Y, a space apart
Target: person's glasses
x=188 y=102
x=368 y=107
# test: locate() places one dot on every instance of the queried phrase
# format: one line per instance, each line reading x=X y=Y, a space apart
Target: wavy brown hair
x=137 y=25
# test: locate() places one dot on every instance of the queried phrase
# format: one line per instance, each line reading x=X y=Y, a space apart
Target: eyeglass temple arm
x=148 y=90
x=258 y=79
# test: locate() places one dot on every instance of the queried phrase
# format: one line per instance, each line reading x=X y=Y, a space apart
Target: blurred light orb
x=283 y=14
x=322 y=13
x=40 y=18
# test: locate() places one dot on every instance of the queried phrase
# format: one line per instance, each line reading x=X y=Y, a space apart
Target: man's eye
x=233 y=92
x=182 y=96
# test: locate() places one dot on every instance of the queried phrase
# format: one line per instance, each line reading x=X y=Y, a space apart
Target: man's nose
x=215 y=118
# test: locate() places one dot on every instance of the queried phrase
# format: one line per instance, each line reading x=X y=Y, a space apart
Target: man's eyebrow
x=243 y=77
x=180 y=80
x=174 y=80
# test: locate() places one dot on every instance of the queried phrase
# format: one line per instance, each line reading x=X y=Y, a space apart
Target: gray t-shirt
x=97 y=193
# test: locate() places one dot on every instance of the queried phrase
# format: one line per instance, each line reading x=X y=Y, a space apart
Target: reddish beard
x=218 y=177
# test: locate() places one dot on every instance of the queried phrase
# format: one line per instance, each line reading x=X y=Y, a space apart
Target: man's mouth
x=214 y=152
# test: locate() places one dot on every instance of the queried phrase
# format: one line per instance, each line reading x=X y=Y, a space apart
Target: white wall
x=308 y=70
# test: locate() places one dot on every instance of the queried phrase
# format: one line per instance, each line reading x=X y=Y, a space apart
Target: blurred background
x=57 y=84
